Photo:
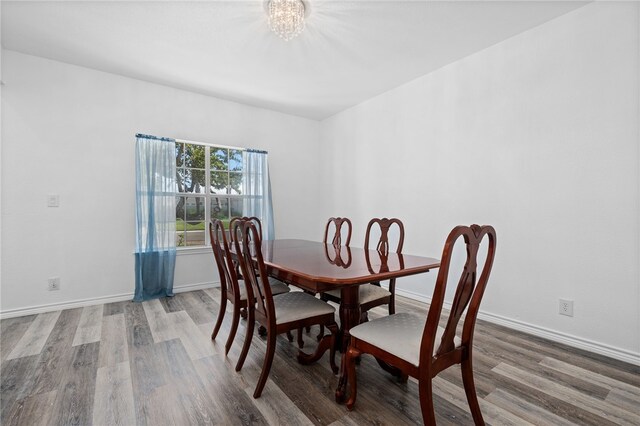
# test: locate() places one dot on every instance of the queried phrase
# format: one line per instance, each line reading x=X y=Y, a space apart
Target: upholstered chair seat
x=277 y=287
x=399 y=334
x=297 y=305
x=368 y=293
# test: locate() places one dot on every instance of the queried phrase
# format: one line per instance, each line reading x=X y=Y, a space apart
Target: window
x=209 y=186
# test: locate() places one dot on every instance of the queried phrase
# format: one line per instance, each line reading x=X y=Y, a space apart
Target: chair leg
x=426 y=401
x=321 y=333
x=247 y=340
x=266 y=366
x=289 y=336
x=350 y=356
x=223 y=308
x=300 y=339
x=470 y=390
x=243 y=313
x=333 y=328
x=234 y=328
x=392 y=299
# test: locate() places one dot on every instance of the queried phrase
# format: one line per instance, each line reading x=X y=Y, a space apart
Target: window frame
x=207 y=196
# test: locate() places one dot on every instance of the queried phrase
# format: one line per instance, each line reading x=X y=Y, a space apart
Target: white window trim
x=206 y=248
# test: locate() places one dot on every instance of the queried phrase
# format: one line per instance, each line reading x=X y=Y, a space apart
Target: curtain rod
x=237 y=148
x=210 y=144
x=202 y=143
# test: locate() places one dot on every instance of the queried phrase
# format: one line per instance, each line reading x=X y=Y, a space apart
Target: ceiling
x=350 y=51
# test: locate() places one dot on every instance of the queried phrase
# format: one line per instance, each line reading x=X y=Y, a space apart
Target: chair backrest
x=337 y=223
x=222 y=255
x=383 y=242
x=248 y=248
x=242 y=219
x=469 y=291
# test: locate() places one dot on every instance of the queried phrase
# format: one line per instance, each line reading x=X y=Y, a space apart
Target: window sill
x=184 y=251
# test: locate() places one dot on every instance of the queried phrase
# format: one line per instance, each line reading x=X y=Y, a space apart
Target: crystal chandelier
x=286 y=18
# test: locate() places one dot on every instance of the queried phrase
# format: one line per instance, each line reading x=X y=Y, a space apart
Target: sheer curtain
x=155 y=217
x=256 y=185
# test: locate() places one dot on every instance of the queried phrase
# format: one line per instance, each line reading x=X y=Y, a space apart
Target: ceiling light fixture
x=286 y=17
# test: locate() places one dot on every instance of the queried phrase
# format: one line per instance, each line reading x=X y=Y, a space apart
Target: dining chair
x=254 y=219
x=231 y=236
x=419 y=347
x=232 y=288
x=272 y=281
x=337 y=223
x=336 y=241
x=372 y=295
x=278 y=313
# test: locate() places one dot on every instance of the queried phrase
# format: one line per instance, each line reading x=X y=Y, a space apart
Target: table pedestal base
x=349 y=317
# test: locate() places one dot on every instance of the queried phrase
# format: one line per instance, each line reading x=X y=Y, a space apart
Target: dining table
x=317 y=267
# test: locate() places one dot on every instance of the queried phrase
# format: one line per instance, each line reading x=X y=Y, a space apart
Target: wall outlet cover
x=53 y=284
x=565 y=307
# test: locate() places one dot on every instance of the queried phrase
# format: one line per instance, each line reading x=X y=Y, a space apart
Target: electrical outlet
x=566 y=307
x=54 y=283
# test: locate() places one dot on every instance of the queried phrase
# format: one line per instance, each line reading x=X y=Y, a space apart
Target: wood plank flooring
x=153 y=363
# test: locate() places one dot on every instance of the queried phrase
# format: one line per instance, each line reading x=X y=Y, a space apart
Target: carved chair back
x=222 y=254
x=254 y=219
x=384 y=224
x=468 y=293
x=336 y=223
x=249 y=251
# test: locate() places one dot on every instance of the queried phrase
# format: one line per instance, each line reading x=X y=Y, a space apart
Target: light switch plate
x=53 y=200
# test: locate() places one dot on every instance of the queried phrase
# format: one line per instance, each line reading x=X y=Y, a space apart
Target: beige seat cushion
x=399 y=334
x=297 y=305
x=368 y=293
x=277 y=287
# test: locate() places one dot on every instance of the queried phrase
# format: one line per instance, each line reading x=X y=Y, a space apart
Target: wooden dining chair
x=232 y=288
x=258 y=224
x=423 y=349
x=272 y=281
x=231 y=236
x=278 y=313
x=336 y=241
x=254 y=219
x=372 y=295
x=337 y=223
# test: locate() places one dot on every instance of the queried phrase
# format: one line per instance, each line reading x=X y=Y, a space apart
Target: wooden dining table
x=318 y=267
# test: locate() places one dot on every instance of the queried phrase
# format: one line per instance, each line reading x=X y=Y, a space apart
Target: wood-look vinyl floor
x=153 y=363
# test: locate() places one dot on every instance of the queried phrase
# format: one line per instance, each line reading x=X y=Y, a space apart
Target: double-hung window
x=209 y=186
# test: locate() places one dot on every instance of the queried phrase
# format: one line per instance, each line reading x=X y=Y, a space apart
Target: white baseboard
x=32 y=310
x=556 y=336
x=553 y=335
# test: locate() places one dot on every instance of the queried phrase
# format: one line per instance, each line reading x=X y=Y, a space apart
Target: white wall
x=538 y=136
x=70 y=131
